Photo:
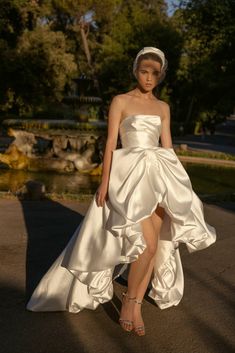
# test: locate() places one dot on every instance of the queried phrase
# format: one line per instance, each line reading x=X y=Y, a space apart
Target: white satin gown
x=142 y=176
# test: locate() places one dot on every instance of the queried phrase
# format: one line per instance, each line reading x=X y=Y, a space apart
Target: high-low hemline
x=143 y=176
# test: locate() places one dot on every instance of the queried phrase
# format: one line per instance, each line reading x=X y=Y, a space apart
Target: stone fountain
x=60 y=145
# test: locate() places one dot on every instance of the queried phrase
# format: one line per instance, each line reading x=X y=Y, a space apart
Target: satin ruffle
x=143 y=176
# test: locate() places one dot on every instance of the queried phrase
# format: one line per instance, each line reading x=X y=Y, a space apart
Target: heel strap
x=138 y=301
x=127 y=296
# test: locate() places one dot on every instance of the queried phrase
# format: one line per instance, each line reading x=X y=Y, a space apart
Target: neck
x=143 y=94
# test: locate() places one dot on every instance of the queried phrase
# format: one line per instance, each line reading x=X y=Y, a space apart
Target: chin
x=148 y=89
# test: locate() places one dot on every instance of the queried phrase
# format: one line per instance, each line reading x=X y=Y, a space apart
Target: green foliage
x=12 y=20
x=37 y=61
x=135 y=24
x=36 y=68
x=207 y=67
x=45 y=65
x=41 y=49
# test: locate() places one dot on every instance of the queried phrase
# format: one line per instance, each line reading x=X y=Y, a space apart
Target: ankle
x=129 y=297
x=139 y=301
x=138 y=305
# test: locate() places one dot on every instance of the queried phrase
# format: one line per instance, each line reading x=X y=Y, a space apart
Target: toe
x=140 y=330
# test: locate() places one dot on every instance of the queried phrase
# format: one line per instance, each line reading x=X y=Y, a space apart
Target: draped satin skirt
x=83 y=275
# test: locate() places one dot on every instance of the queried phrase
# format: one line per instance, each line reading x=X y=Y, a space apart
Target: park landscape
x=61 y=62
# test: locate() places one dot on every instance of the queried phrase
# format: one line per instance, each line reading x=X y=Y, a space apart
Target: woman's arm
x=114 y=117
x=166 y=140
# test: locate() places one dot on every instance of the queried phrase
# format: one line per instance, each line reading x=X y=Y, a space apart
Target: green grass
x=211 y=180
x=201 y=154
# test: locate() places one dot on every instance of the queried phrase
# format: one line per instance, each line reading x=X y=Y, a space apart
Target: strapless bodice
x=142 y=177
x=140 y=130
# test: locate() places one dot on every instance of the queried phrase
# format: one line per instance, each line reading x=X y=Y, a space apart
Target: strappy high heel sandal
x=129 y=323
x=140 y=329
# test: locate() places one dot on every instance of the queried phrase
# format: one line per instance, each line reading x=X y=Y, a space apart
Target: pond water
x=206 y=180
x=74 y=183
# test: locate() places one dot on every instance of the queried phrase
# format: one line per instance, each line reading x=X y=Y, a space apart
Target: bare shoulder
x=116 y=109
x=119 y=104
x=116 y=102
x=120 y=98
x=164 y=105
x=165 y=108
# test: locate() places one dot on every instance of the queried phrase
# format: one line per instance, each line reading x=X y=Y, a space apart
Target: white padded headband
x=150 y=50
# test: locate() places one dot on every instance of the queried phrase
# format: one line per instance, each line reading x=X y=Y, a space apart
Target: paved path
x=222 y=141
x=33 y=234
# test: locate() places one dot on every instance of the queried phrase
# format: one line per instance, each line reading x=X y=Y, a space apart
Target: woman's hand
x=101 y=194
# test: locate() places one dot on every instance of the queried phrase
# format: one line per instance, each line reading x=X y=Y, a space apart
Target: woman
x=142 y=209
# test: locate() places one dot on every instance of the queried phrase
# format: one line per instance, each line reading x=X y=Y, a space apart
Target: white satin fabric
x=143 y=175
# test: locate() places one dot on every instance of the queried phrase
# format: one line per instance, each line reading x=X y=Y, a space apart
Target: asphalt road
x=223 y=140
x=32 y=234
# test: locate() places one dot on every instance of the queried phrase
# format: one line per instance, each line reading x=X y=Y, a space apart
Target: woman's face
x=148 y=74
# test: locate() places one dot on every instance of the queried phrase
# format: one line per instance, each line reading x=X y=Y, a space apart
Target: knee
x=151 y=250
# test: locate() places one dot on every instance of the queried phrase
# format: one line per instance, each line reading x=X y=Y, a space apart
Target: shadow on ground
x=49 y=226
x=202 y=323
x=26 y=332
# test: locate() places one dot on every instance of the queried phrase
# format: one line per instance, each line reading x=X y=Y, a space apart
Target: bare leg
x=138 y=270
x=157 y=218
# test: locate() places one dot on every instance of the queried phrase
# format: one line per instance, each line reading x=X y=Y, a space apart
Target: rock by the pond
x=55 y=160
x=15 y=159
x=31 y=190
x=24 y=141
x=183 y=147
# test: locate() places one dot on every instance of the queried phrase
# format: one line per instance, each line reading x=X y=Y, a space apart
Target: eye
x=157 y=73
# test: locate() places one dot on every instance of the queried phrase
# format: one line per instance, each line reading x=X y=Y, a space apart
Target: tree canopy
x=206 y=74
x=46 y=43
